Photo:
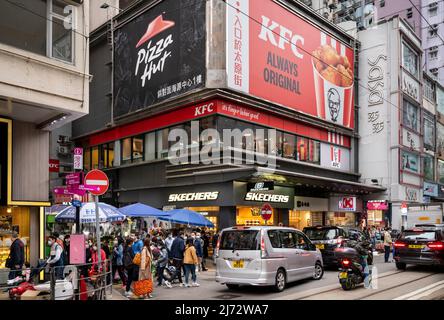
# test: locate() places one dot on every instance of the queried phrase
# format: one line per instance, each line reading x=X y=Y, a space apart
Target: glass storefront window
x=137 y=151
x=410 y=115
x=299 y=219
x=251 y=216
x=314 y=149
x=111 y=155
x=87 y=159
x=162 y=143
x=126 y=150
x=289 y=145
x=303 y=149
x=14 y=219
x=95 y=157
x=341 y=218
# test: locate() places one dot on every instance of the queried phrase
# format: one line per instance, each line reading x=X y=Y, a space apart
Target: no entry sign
x=266 y=212
x=97 y=178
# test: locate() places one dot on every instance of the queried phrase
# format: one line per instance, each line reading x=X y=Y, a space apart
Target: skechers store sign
x=193 y=196
x=280 y=197
x=266 y=197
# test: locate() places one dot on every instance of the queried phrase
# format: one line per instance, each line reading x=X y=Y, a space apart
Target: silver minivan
x=265 y=256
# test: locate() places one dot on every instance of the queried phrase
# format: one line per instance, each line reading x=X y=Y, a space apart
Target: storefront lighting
x=9 y=210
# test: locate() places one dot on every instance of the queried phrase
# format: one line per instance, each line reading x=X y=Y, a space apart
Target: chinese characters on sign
x=178 y=87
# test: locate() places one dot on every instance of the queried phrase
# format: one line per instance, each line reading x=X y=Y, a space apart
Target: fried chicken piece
x=346 y=79
x=344 y=61
x=330 y=56
x=332 y=75
x=317 y=60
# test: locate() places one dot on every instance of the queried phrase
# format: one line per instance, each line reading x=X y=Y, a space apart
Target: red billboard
x=276 y=55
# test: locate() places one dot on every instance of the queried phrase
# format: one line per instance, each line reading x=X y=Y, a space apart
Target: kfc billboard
x=159 y=55
x=278 y=56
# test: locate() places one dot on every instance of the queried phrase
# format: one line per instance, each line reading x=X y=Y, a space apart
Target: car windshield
x=239 y=240
x=321 y=234
x=419 y=235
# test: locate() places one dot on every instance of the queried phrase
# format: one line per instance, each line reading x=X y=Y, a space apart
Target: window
x=60 y=33
x=439 y=139
x=429 y=89
x=409 y=13
x=110 y=147
x=276 y=146
x=314 y=149
x=87 y=159
x=441 y=171
x=302 y=242
x=382 y=3
x=137 y=151
x=433 y=9
x=433 y=54
x=429 y=131
x=433 y=31
x=239 y=240
x=288 y=239
x=275 y=240
x=409 y=59
x=126 y=150
x=150 y=146
x=95 y=157
x=429 y=168
x=162 y=143
x=289 y=145
x=410 y=115
x=410 y=162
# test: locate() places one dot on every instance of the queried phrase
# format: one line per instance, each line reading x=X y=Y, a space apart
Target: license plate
x=343 y=275
x=320 y=246
x=238 y=264
x=416 y=246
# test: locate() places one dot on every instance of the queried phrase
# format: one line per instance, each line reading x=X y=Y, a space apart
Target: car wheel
x=232 y=286
x=280 y=281
x=318 y=271
x=401 y=266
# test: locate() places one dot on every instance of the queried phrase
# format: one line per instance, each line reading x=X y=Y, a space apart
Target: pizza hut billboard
x=280 y=57
x=159 y=55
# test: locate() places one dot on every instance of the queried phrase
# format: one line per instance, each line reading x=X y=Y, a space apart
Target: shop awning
x=187 y=217
x=141 y=210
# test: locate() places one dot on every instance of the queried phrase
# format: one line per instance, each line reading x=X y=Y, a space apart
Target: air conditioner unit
x=63 y=150
x=433 y=5
x=333 y=4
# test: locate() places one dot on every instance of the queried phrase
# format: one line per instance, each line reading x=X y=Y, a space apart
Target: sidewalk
x=206 y=279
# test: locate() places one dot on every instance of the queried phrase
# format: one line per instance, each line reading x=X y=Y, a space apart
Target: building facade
x=43 y=85
x=397 y=121
x=224 y=72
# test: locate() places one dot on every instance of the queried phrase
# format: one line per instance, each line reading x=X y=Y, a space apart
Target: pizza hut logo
x=154 y=55
x=334 y=103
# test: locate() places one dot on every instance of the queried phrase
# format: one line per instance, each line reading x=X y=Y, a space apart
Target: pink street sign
x=78 y=151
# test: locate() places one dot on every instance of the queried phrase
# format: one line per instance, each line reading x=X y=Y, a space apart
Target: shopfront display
x=376 y=211
x=307 y=212
x=13 y=219
x=210 y=213
x=341 y=219
x=251 y=216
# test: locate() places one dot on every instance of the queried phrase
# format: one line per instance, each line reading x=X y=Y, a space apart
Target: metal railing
x=71 y=282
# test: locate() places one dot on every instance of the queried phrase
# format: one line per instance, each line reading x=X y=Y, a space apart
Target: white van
x=265 y=256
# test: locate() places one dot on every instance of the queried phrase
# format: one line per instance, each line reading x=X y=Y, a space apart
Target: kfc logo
x=334 y=103
x=335 y=157
x=206 y=108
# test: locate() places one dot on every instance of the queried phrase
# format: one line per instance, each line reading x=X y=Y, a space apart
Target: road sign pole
x=99 y=256
x=78 y=220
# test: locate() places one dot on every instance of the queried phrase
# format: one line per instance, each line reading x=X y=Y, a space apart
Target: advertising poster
x=280 y=57
x=410 y=162
x=159 y=55
x=335 y=157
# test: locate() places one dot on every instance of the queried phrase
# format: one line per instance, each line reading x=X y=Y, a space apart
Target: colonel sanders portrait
x=334 y=103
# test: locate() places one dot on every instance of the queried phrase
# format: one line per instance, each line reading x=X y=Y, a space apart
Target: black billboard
x=159 y=55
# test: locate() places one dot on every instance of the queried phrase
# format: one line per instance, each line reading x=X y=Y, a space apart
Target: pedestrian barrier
x=72 y=282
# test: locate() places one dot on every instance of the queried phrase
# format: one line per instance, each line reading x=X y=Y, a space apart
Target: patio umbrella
x=107 y=213
x=141 y=210
x=188 y=217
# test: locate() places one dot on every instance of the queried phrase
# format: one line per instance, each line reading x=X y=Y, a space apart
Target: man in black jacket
x=177 y=251
x=16 y=256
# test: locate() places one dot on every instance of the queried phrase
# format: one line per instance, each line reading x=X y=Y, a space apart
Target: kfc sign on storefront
x=347 y=204
x=293 y=62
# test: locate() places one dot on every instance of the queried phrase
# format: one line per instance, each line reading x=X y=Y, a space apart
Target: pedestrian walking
x=161 y=263
x=117 y=260
x=95 y=259
x=144 y=285
x=67 y=248
x=177 y=252
x=128 y=256
x=16 y=257
x=387 y=244
x=169 y=242
x=199 y=250
x=206 y=244
x=55 y=259
x=373 y=237
x=190 y=261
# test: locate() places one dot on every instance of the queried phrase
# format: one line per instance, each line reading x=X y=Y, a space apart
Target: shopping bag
x=137 y=259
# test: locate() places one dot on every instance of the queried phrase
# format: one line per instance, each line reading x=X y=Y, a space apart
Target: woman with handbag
x=144 y=285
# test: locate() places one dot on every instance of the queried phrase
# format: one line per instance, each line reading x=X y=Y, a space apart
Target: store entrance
x=251 y=216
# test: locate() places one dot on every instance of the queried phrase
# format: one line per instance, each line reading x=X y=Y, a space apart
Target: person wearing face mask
x=55 y=259
x=117 y=260
x=95 y=258
x=198 y=246
x=168 y=243
x=67 y=246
